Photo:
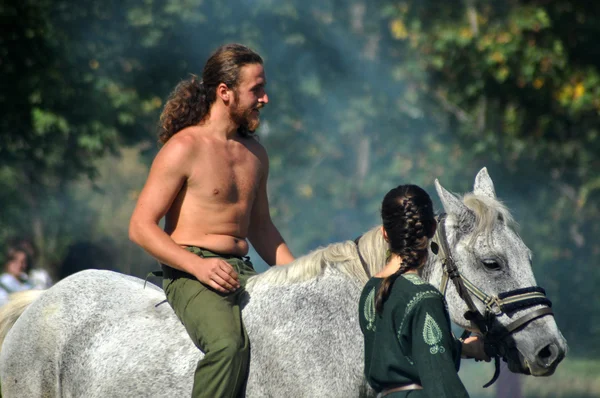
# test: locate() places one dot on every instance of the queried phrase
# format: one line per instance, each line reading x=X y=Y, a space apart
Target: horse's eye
x=491 y=265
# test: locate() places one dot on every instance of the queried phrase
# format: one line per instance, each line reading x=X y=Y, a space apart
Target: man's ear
x=224 y=92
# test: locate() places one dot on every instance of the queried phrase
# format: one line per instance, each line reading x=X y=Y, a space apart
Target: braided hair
x=408 y=219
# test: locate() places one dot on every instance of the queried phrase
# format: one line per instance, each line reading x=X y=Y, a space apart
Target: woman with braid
x=409 y=347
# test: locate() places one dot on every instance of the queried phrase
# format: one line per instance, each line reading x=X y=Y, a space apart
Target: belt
x=406 y=387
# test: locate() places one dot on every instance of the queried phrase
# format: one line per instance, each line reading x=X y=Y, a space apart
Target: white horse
x=103 y=334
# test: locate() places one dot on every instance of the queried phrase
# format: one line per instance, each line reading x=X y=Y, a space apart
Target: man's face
x=249 y=97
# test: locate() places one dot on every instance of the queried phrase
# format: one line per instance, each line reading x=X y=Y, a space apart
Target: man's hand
x=218 y=274
x=473 y=348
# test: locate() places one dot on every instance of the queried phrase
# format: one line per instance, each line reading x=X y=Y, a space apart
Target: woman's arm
x=434 y=349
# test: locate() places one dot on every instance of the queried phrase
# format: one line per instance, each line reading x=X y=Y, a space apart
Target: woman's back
x=410 y=340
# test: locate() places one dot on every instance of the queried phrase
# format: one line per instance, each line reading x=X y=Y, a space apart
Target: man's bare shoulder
x=256 y=147
x=185 y=143
x=179 y=153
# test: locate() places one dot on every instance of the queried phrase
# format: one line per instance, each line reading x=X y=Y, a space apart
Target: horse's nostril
x=545 y=352
x=547 y=355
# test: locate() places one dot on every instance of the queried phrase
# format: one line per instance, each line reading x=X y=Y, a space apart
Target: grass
x=574 y=378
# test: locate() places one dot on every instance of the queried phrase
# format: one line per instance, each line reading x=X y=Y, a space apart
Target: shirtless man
x=209 y=182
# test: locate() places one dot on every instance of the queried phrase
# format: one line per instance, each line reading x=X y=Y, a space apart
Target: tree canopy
x=364 y=96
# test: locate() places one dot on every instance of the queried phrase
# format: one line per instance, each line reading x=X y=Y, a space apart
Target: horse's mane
x=488 y=212
x=11 y=311
x=342 y=256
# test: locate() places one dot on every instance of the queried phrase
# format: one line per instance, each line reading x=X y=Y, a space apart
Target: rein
x=494 y=305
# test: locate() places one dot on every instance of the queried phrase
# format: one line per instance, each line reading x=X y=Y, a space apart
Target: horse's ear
x=452 y=205
x=484 y=185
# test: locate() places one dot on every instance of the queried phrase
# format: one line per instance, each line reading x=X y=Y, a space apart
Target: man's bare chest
x=226 y=179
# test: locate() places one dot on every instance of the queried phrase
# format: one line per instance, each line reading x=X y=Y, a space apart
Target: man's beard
x=244 y=117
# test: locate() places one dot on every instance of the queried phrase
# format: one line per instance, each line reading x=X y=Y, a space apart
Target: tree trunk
x=482 y=108
x=39 y=241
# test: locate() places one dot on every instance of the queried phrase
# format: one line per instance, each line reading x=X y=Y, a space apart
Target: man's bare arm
x=262 y=233
x=167 y=175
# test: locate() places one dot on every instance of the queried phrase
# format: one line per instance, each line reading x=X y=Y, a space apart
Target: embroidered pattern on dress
x=414 y=279
x=412 y=303
x=432 y=334
x=369 y=310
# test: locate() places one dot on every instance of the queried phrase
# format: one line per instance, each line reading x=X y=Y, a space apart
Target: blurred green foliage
x=364 y=96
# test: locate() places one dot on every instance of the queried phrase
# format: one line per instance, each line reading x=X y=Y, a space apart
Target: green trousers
x=214 y=322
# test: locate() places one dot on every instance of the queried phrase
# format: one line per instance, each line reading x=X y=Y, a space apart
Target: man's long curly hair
x=190 y=102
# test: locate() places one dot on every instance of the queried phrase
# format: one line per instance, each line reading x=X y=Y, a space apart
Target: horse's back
x=100 y=333
x=87 y=336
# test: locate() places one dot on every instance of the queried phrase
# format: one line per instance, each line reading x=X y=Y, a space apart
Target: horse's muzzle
x=543 y=363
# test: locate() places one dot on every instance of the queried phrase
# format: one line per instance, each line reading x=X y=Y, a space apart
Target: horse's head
x=495 y=266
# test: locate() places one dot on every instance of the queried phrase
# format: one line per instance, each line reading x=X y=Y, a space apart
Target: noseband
x=494 y=305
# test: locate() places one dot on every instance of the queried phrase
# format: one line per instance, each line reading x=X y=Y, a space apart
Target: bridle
x=506 y=302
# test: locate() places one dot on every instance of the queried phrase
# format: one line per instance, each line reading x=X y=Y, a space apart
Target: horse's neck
x=433 y=272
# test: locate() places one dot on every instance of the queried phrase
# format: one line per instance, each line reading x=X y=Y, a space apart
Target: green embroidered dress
x=410 y=341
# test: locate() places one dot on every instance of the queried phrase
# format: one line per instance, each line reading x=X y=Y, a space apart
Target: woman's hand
x=473 y=348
